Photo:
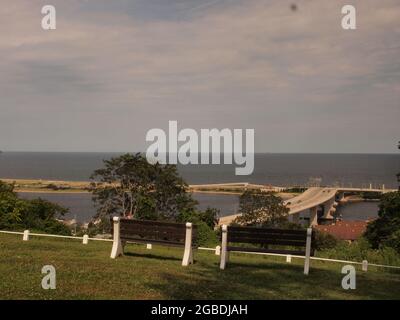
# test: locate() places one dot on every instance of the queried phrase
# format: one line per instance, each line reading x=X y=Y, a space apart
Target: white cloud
x=225 y=64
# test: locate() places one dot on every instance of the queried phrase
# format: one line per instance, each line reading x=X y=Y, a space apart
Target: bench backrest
x=147 y=231
x=266 y=236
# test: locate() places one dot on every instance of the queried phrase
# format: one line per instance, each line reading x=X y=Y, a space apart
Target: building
x=345 y=230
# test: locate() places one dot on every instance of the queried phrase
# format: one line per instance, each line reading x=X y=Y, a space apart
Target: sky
x=113 y=70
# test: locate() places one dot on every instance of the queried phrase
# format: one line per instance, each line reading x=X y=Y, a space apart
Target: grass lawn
x=87 y=272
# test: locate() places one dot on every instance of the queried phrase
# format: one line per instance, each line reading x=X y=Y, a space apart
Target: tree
x=262 y=209
x=36 y=214
x=209 y=217
x=129 y=185
x=205 y=222
x=385 y=230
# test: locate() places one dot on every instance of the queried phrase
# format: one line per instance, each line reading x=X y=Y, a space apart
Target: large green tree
x=262 y=209
x=385 y=230
x=129 y=185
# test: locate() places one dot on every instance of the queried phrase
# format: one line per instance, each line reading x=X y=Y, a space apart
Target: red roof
x=345 y=230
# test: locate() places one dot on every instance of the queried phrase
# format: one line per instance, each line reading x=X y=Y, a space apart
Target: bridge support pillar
x=340 y=196
x=329 y=208
x=313 y=216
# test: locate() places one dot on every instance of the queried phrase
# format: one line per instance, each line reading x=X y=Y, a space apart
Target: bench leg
x=187 y=257
x=117 y=248
x=188 y=254
x=224 y=252
x=308 y=252
x=191 y=256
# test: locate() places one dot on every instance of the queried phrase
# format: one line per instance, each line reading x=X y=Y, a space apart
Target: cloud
x=117 y=69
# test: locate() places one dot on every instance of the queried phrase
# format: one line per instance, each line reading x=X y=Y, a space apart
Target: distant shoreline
x=51 y=191
x=48 y=186
x=82 y=187
x=76 y=187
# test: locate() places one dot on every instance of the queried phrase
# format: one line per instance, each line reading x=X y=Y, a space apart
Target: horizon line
x=133 y=152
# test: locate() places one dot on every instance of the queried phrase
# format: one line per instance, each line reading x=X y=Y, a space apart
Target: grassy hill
x=87 y=272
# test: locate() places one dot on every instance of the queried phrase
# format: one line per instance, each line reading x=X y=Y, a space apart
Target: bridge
x=320 y=202
x=316 y=203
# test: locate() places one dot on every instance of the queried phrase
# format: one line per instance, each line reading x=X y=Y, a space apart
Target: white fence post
x=117 y=249
x=218 y=250
x=308 y=252
x=85 y=239
x=224 y=253
x=188 y=254
x=25 y=237
x=289 y=258
x=149 y=246
x=364 y=266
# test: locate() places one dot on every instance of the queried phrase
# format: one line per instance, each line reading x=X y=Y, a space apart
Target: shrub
x=324 y=240
x=36 y=214
x=101 y=226
x=205 y=222
x=385 y=231
x=361 y=250
x=205 y=235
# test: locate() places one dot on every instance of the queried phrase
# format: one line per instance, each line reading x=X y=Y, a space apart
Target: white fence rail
x=26 y=234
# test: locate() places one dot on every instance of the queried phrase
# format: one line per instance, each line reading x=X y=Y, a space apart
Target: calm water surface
x=275 y=169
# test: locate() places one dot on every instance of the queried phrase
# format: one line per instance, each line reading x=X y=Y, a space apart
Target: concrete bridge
x=316 y=203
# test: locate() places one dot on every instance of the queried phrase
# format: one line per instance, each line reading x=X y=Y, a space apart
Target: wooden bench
x=265 y=237
x=153 y=232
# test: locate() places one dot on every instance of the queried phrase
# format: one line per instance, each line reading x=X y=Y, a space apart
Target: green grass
x=87 y=272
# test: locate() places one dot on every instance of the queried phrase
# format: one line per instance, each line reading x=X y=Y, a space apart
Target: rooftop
x=345 y=230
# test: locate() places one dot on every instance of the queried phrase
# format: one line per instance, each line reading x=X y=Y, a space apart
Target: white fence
x=85 y=239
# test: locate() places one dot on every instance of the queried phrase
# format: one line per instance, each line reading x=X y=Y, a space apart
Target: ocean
x=357 y=170
x=269 y=168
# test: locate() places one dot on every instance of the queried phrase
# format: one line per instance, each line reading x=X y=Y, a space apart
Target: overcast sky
x=112 y=70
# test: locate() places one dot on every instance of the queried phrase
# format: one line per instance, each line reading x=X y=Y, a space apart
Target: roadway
x=310 y=198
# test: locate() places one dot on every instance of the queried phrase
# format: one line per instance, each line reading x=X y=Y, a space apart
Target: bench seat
x=295 y=242
x=154 y=232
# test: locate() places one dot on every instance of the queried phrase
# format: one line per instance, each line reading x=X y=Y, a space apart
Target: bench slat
x=266 y=235
x=263 y=250
x=152 y=237
x=267 y=230
x=153 y=223
x=148 y=231
x=153 y=241
x=268 y=241
x=133 y=228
